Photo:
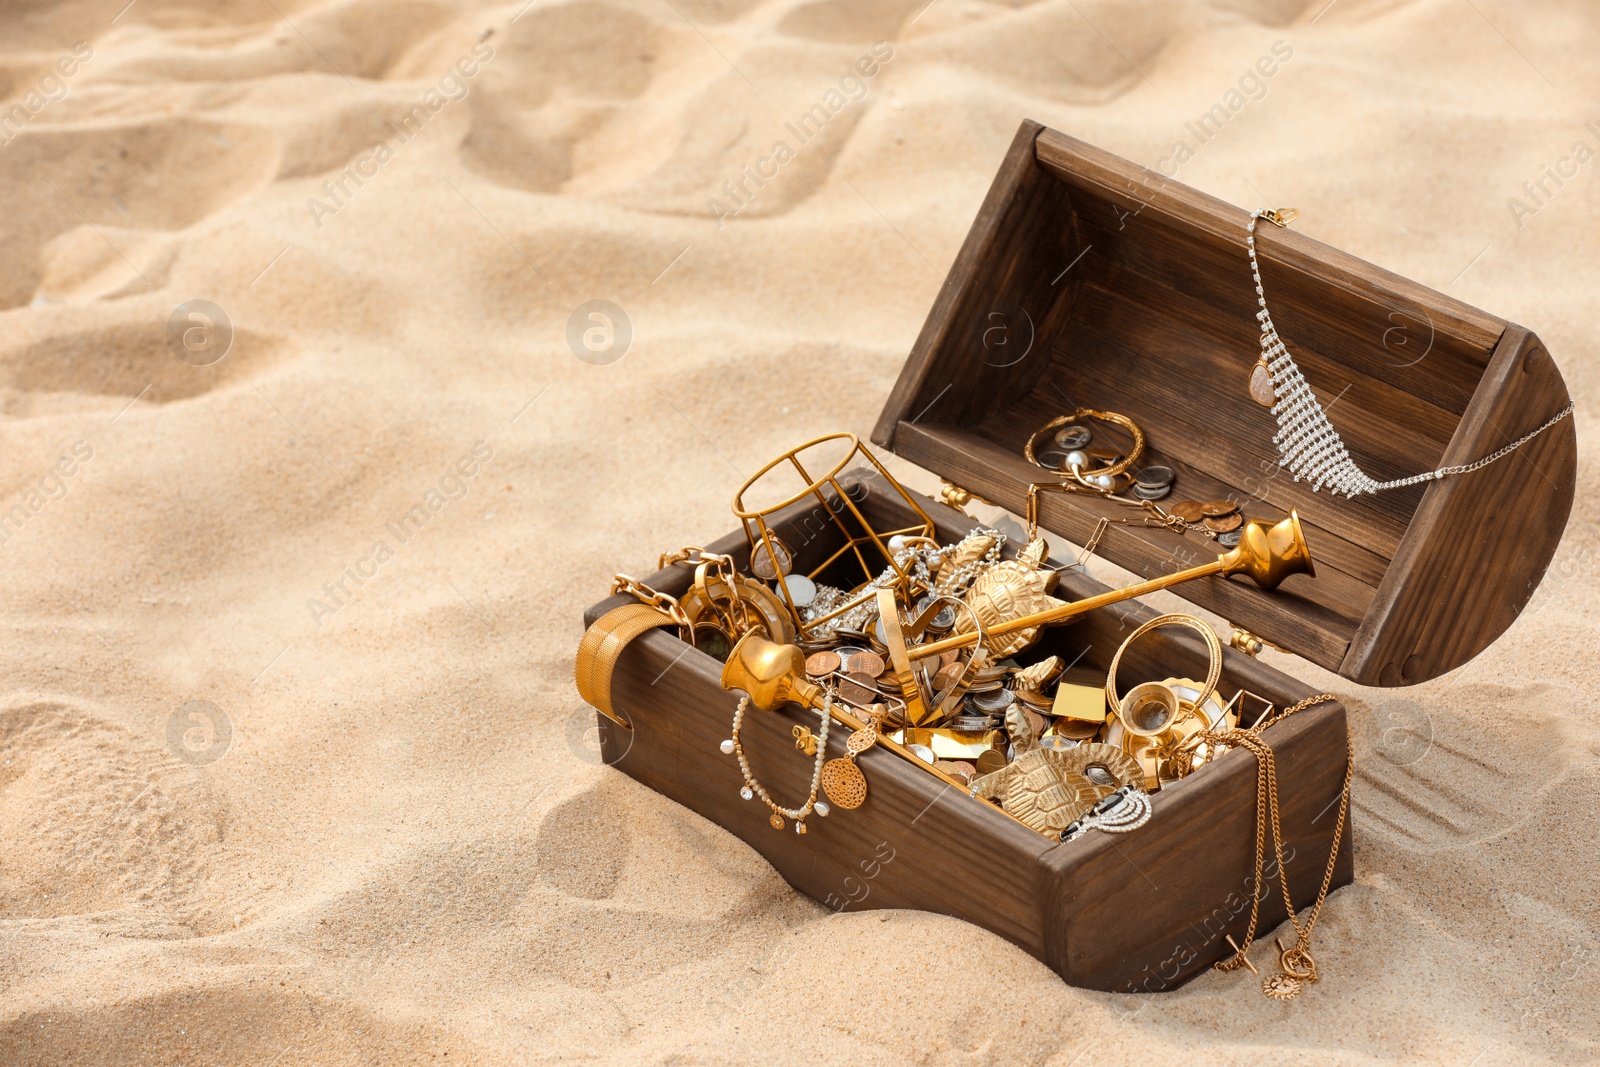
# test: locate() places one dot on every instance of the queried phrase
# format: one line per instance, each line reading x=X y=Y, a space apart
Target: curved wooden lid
x=1089 y=281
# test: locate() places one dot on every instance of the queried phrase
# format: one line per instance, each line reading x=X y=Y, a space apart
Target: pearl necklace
x=753 y=788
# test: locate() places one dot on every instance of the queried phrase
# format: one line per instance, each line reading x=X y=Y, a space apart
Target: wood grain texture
x=916 y=844
x=1480 y=542
x=1008 y=289
x=1158 y=323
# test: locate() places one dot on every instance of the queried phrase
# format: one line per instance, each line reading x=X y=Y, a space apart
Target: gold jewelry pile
x=928 y=651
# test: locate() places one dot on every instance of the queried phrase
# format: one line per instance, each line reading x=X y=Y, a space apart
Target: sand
x=289 y=777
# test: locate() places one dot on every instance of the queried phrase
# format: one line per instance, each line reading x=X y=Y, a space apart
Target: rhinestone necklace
x=1308 y=445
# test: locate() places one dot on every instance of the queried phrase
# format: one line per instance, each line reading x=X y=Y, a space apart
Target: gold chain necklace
x=1297 y=967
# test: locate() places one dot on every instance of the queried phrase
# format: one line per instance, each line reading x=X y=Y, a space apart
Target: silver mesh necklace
x=1308 y=445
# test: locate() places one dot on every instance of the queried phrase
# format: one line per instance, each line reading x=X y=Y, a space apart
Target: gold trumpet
x=774 y=674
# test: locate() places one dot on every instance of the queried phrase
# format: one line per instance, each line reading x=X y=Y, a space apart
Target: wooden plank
x=1185 y=334
x=1258 y=498
x=1360 y=335
x=1480 y=542
x=1208 y=220
x=1007 y=284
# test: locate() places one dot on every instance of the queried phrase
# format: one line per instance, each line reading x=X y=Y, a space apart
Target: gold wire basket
x=868 y=545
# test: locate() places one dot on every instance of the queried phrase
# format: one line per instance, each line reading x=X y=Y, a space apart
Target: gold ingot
x=1081 y=703
x=949 y=744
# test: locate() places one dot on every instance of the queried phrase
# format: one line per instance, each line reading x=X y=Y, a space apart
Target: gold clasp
x=1281 y=216
x=804 y=741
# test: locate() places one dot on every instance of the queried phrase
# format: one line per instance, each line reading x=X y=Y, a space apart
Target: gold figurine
x=1048 y=789
x=1009 y=590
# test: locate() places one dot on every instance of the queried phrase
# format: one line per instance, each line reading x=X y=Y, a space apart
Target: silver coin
x=972 y=724
x=941 y=623
x=1053 y=460
x=801 y=589
x=994 y=700
x=1058 y=744
x=1073 y=436
x=1157 y=493
x=923 y=753
x=770 y=559
x=1155 y=477
x=1231 y=538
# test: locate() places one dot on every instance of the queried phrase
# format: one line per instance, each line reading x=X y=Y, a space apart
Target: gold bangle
x=1213 y=649
x=1110 y=469
x=602 y=645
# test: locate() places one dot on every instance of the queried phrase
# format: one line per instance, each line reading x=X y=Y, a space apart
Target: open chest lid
x=1119 y=289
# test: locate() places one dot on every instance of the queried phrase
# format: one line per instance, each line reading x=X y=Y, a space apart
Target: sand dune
x=271 y=794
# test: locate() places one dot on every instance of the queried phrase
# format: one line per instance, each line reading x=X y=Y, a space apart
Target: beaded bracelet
x=753 y=788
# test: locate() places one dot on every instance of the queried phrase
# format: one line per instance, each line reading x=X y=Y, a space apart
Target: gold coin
x=957 y=769
x=822 y=663
x=844 y=783
x=1215 y=509
x=1189 y=511
x=989 y=762
x=776 y=821
x=946 y=677
x=1224 y=523
x=1076 y=730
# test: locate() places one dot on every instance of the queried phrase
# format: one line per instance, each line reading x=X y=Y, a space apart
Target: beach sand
x=289 y=777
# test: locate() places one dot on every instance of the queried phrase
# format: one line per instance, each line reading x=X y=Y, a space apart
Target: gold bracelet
x=1213 y=675
x=1110 y=470
x=602 y=645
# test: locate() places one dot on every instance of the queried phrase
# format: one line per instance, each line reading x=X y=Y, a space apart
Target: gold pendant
x=1281 y=987
x=844 y=783
x=776 y=821
x=1261 y=390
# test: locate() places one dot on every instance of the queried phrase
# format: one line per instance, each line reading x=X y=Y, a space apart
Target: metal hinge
x=952 y=495
x=1249 y=643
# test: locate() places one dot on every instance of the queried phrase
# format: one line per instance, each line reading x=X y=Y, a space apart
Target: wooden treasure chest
x=1088 y=283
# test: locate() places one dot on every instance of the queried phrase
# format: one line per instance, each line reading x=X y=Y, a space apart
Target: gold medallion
x=1281 y=986
x=844 y=783
x=776 y=821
